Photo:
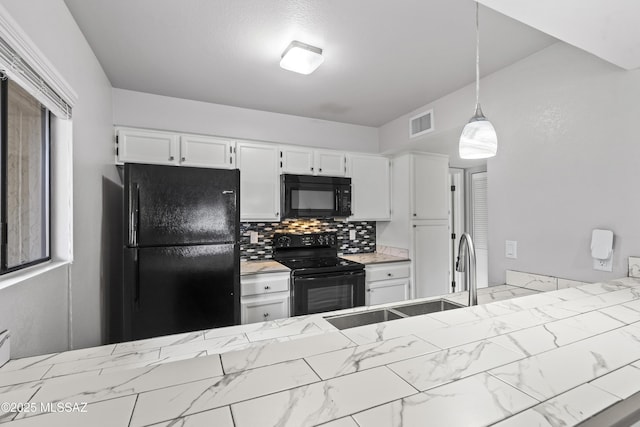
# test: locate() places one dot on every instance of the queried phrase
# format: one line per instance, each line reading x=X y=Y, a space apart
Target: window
x=24 y=178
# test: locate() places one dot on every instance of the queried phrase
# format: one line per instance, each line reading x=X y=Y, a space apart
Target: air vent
x=421 y=124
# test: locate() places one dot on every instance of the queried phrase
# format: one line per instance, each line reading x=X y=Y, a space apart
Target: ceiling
x=606 y=28
x=383 y=58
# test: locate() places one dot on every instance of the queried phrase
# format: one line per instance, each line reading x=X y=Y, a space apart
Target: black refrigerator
x=181 y=260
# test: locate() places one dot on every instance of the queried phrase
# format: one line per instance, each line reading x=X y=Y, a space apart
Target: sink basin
x=352 y=320
x=426 y=307
x=346 y=321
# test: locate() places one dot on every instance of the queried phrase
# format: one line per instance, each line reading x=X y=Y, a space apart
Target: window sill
x=11 y=279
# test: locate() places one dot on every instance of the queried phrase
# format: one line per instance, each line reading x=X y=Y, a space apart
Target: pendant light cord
x=477 y=58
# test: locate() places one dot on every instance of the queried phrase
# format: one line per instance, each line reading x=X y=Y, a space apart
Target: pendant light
x=478 y=139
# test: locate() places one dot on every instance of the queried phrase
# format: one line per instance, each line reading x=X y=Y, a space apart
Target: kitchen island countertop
x=542 y=359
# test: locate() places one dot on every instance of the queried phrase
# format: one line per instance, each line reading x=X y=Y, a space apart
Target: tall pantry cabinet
x=420 y=220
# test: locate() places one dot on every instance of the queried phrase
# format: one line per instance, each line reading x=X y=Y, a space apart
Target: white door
x=259 y=181
x=147 y=146
x=206 y=152
x=296 y=160
x=370 y=188
x=430 y=187
x=480 y=226
x=431 y=258
x=329 y=163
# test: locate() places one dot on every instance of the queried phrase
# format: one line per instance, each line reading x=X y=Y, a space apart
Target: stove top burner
x=313 y=253
x=311 y=263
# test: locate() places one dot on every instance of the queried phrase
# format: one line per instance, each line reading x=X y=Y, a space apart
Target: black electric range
x=320 y=280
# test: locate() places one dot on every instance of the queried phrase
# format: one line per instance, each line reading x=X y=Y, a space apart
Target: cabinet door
x=329 y=163
x=206 y=152
x=259 y=181
x=430 y=185
x=147 y=146
x=296 y=160
x=370 y=188
x=387 y=291
x=261 y=309
x=431 y=258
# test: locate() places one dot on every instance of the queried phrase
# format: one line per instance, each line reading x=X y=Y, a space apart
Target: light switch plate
x=352 y=234
x=511 y=249
x=253 y=237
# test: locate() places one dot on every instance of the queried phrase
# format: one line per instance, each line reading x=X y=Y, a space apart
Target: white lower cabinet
x=264 y=297
x=260 y=309
x=387 y=282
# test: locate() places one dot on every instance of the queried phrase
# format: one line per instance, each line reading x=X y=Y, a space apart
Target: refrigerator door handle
x=136 y=290
x=134 y=209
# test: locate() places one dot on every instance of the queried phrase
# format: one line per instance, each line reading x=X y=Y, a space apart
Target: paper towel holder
x=602 y=249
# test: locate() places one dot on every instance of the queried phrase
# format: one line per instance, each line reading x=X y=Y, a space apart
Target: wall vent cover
x=421 y=124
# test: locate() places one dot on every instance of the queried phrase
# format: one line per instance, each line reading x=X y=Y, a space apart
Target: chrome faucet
x=472 y=286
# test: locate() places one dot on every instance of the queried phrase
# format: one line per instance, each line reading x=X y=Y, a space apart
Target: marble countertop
x=256 y=267
x=553 y=358
x=374 y=258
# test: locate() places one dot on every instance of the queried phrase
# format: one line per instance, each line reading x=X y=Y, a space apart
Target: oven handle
x=330 y=275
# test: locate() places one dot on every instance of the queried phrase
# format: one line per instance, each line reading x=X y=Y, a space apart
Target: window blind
x=13 y=66
x=480 y=211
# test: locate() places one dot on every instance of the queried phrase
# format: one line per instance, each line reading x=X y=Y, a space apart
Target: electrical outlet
x=603 y=264
x=511 y=249
x=253 y=237
x=352 y=234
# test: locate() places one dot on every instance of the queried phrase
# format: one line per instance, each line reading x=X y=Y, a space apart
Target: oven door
x=327 y=292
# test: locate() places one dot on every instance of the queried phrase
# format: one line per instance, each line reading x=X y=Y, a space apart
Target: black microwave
x=305 y=196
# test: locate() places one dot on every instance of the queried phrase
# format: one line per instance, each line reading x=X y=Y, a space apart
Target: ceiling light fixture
x=478 y=139
x=301 y=58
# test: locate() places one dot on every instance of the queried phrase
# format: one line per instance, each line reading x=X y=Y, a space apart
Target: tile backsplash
x=365 y=240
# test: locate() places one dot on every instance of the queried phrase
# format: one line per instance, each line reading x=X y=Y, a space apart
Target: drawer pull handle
x=266 y=315
x=389 y=274
x=266 y=288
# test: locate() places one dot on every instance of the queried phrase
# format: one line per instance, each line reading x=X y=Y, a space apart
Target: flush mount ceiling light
x=301 y=58
x=478 y=139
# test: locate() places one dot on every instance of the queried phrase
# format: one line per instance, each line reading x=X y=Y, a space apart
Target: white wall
x=567 y=159
x=161 y=112
x=51 y=27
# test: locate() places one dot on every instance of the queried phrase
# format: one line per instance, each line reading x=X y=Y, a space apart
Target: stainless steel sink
x=352 y=320
x=426 y=307
x=346 y=321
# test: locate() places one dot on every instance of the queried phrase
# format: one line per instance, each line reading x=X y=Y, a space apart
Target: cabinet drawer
x=264 y=284
x=387 y=271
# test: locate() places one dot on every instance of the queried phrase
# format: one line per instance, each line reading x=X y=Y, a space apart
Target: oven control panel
x=305 y=240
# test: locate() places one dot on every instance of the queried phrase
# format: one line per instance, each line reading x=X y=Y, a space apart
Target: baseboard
x=4 y=347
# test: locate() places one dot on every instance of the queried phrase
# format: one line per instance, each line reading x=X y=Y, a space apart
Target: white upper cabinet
x=146 y=146
x=370 y=182
x=296 y=160
x=307 y=161
x=207 y=152
x=430 y=186
x=259 y=181
x=329 y=163
x=167 y=148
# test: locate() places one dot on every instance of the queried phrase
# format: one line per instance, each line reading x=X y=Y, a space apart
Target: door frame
x=457 y=224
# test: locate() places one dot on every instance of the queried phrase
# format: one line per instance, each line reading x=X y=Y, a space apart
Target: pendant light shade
x=478 y=139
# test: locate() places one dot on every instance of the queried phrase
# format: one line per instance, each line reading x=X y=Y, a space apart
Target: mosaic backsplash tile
x=364 y=242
